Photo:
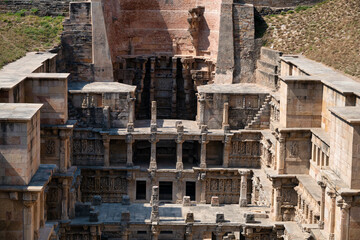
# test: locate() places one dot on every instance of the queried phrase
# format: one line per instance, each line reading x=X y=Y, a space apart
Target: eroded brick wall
x=44 y=7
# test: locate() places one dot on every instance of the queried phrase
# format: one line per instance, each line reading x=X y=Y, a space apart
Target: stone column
x=125 y=235
x=64 y=150
x=201 y=100
x=332 y=195
x=153 y=142
x=28 y=224
x=202 y=178
x=344 y=219
x=174 y=88
x=64 y=201
x=277 y=200
x=243 y=188
x=155 y=204
x=153 y=124
x=203 y=142
x=225 y=123
x=155 y=232
x=28 y=228
x=179 y=152
x=313 y=152
x=129 y=153
x=131 y=102
x=42 y=209
x=36 y=212
x=188 y=232
x=106 y=142
x=227 y=149
x=322 y=204
x=281 y=157
x=152 y=79
x=317 y=156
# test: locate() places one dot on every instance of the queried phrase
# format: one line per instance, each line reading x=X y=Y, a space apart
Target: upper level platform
x=100 y=87
x=18 y=112
x=14 y=73
x=328 y=76
x=240 y=88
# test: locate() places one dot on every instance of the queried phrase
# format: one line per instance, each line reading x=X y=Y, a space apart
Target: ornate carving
x=294 y=149
x=50 y=147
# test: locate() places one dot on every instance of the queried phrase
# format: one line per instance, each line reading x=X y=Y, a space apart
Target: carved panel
x=244 y=154
x=110 y=185
x=227 y=189
x=88 y=148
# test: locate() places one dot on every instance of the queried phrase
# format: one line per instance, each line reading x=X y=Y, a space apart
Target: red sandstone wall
x=154 y=24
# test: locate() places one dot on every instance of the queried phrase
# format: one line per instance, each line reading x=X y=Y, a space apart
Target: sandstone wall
x=344 y=155
x=156 y=26
x=300 y=104
x=20 y=151
x=52 y=92
x=76 y=42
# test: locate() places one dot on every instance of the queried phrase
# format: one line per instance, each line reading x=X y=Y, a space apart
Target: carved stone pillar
x=131 y=102
x=65 y=200
x=106 y=142
x=64 y=150
x=152 y=79
x=344 y=219
x=28 y=224
x=129 y=153
x=201 y=100
x=202 y=178
x=155 y=204
x=332 y=195
x=155 y=232
x=243 y=188
x=188 y=232
x=28 y=200
x=313 y=152
x=125 y=235
x=153 y=124
x=281 y=157
x=322 y=204
x=225 y=123
x=227 y=149
x=277 y=200
x=72 y=202
x=186 y=63
x=203 y=142
x=153 y=140
x=174 y=88
x=179 y=152
x=42 y=209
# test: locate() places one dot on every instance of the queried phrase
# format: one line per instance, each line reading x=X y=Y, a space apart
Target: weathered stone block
x=96 y=200
x=186 y=201
x=94 y=216
x=215 y=201
x=189 y=217
x=125 y=200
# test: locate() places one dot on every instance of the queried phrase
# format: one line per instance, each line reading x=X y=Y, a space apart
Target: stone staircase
x=262 y=118
x=268 y=68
